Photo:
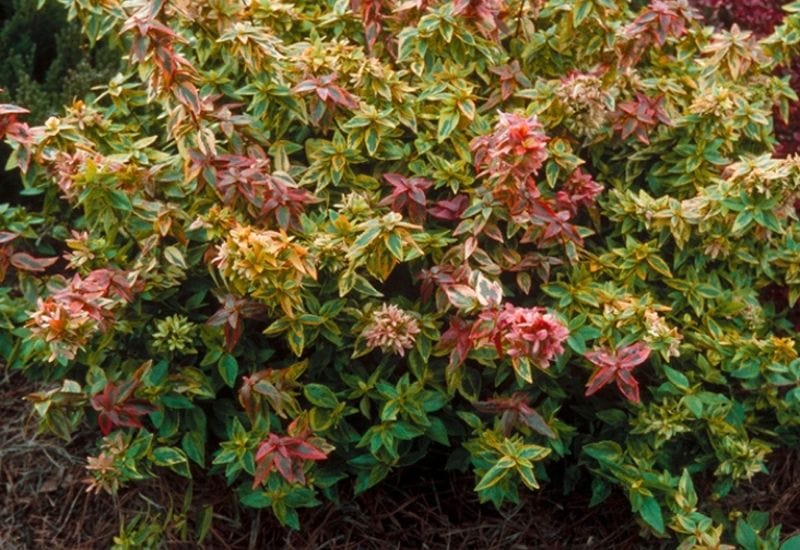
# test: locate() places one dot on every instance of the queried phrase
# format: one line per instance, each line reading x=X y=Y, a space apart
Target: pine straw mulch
x=43 y=503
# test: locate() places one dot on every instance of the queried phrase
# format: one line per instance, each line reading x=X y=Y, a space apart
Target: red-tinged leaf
x=600 y=378
x=601 y=358
x=408 y=196
x=105 y=424
x=7 y=236
x=299 y=474
x=167 y=63
x=266 y=449
x=113 y=416
x=116 y=407
x=140 y=45
x=136 y=409
x=470 y=245
x=395 y=180
x=187 y=94
x=458 y=339
x=343 y=98
x=618 y=366
x=492 y=406
x=129 y=421
x=516 y=410
x=284 y=466
x=230 y=315
x=262 y=473
x=246 y=397
x=307 y=451
x=628 y=385
x=633 y=355
x=26 y=262
x=8 y=109
x=219 y=318
x=628 y=128
x=449 y=209
x=232 y=335
x=535 y=421
x=305 y=86
x=124 y=391
x=286 y=454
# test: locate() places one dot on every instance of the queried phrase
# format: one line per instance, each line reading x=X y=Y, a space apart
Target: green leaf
x=448 y=120
x=528 y=477
x=363 y=286
x=577 y=344
x=174 y=256
x=437 y=431
x=364 y=240
x=708 y=291
x=371 y=478
x=651 y=514
x=581 y=12
x=686 y=488
x=172 y=458
x=659 y=265
x=742 y=222
x=522 y=366
x=193 y=444
x=372 y=139
x=495 y=474
x=256 y=499
x=600 y=491
x=320 y=395
x=228 y=369
x=746 y=535
x=296 y=337
x=792 y=543
x=407 y=43
x=676 y=378
x=119 y=200
x=605 y=452
x=204 y=523
x=395 y=245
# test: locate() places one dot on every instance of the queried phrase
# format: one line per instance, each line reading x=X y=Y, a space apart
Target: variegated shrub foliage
x=303 y=244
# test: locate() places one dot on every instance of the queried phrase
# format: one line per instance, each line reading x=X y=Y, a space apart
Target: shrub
x=300 y=244
x=762 y=16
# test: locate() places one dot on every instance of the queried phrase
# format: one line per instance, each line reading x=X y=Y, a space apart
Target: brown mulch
x=43 y=503
x=777 y=493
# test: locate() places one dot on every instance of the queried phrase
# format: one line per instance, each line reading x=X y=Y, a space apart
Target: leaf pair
x=117 y=407
x=287 y=455
x=617 y=366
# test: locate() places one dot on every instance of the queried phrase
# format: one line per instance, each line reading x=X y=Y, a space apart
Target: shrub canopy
x=299 y=244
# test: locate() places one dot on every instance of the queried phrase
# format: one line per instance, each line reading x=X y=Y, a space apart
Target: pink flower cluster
x=520 y=332
x=68 y=318
x=391 y=329
x=515 y=150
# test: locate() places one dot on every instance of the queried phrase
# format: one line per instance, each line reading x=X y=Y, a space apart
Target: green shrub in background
x=299 y=244
x=47 y=63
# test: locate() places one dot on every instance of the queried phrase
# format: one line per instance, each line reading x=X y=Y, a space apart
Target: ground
x=44 y=503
